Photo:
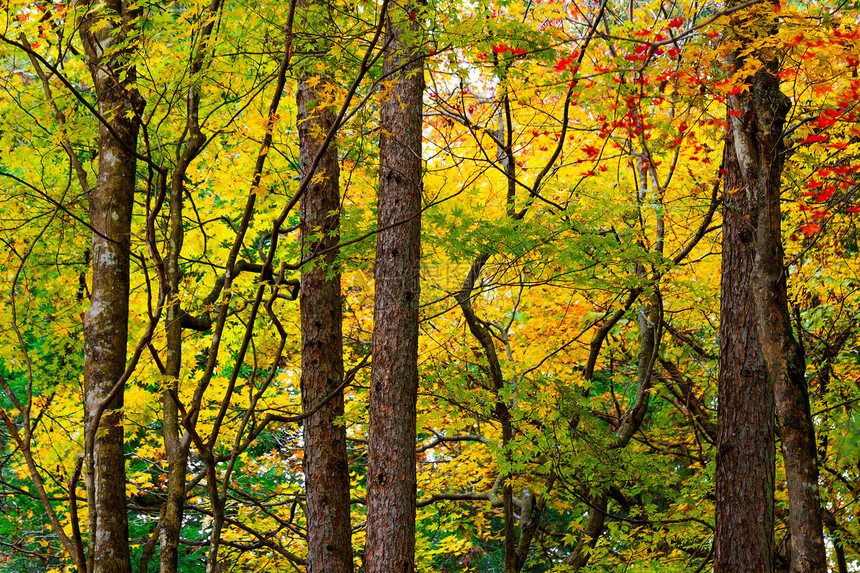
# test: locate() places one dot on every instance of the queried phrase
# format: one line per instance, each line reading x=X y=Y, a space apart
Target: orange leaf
x=810 y=229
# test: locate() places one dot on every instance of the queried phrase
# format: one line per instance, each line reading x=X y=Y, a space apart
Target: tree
x=326 y=466
x=104 y=35
x=745 y=464
x=756 y=159
x=560 y=399
x=391 y=480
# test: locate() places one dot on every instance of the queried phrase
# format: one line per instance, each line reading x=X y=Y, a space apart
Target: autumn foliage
x=571 y=231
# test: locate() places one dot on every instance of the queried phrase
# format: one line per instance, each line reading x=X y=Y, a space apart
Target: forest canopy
x=531 y=285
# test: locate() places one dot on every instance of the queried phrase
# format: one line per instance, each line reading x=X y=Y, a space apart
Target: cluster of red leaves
x=565 y=63
x=501 y=49
x=822 y=186
x=828 y=181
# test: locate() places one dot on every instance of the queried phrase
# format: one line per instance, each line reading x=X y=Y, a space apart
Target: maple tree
x=573 y=390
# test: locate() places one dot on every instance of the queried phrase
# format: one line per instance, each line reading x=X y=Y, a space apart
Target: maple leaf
x=518 y=51
x=819 y=215
x=853 y=209
x=794 y=41
x=500 y=49
x=591 y=151
x=675 y=23
x=810 y=229
x=826 y=194
x=813 y=139
x=563 y=63
x=823 y=122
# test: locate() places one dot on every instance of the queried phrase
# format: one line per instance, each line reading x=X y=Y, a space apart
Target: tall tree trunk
x=391 y=480
x=745 y=436
x=783 y=355
x=757 y=142
x=106 y=321
x=176 y=451
x=325 y=461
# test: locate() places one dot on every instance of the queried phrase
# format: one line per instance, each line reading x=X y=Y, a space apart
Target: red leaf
x=563 y=63
x=518 y=51
x=676 y=23
x=735 y=113
x=591 y=150
x=824 y=122
x=826 y=194
x=814 y=139
x=500 y=49
x=810 y=229
x=713 y=35
x=794 y=41
x=735 y=90
x=853 y=209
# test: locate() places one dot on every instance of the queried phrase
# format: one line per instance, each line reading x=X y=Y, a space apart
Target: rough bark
x=105 y=323
x=745 y=434
x=391 y=482
x=325 y=461
x=783 y=355
x=757 y=142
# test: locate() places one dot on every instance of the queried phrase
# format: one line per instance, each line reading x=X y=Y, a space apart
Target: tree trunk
x=176 y=450
x=745 y=436
x=757 y=142
x=391 y=480
x=106 y=321
x=325 y=461
x=176 y=445
x=783 y=355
